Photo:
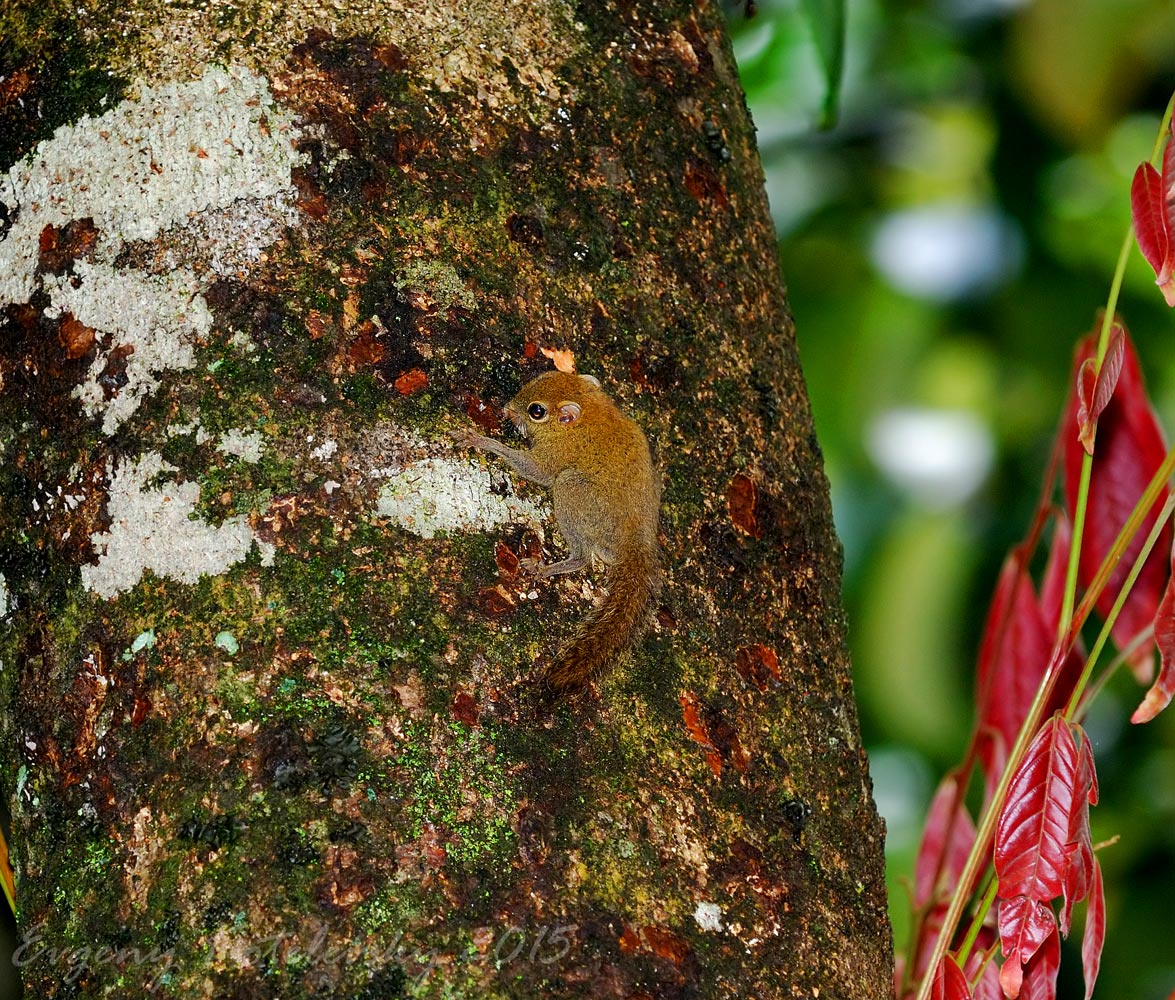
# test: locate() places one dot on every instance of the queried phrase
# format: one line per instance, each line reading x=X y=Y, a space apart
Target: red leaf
x=988 y=986
x=1096 y=386
x=1033 y=830
x=1040 y=975
x=1017 y=644
x=1052 y=586
x=946 y=841
x=1159 y=695
x=949 y=981
x=1025 y=925
x=993 y=755
x=1095 y=931
x=1148 y=209
x=1013 y=654
x=1130 y=449
x=1079 y=872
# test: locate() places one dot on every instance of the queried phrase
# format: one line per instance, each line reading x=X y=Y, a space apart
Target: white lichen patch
x=450 y=495
x=193 y=427
x=708 y=916
x=181 y=149
x=245 y=445
x=217 y=148
x=325 y=450
x=157 y=315
x=153 y=526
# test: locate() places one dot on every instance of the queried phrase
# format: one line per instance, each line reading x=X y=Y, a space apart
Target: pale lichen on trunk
x=268 y=721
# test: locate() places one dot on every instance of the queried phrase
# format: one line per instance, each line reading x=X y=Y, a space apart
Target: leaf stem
x=977 y=859
x=1080 y=506
x=981 y=911
x=1123 y=594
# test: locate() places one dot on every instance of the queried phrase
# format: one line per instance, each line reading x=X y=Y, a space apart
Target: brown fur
x=607 y=499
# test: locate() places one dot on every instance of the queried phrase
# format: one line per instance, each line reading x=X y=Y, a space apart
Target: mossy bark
x=315 y=767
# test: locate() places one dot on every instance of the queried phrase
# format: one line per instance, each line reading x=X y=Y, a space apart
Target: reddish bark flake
x=665 y=944
x=411 y=381
x=485 y=416
x=629 y=941
x=58 y=248
x=691 y=710
x=1095 y=387
x=710 y=730
x=704 y=184
x=495 y=601
x=346 y=882
x=507 y=561
x=316 y=324
x=654 y=940
x=741 y=501
x=366 y=349
x=1130 y=449
x=74 y=336
x=1159 y=695
x=464 y=708
x=758 y=665
x=140 y=711
x=310 y=199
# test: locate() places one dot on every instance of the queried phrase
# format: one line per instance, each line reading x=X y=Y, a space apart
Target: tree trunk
x=269 y=722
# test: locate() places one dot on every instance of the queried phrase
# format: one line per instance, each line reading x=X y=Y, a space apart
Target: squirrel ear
x=591 y=379
x=568 y=413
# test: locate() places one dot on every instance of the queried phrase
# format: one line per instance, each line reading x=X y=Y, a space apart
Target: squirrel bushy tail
x=633 y=581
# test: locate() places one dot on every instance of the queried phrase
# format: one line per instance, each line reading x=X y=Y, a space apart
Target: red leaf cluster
x=1096 y=385
x=1153 y=213
x=1043 y=852
x=1017 y=644
x=1130 y=449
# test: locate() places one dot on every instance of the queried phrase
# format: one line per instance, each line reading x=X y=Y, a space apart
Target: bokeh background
x=944 y=246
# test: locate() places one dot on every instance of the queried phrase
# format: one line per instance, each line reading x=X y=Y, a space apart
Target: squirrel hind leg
x=541 y=569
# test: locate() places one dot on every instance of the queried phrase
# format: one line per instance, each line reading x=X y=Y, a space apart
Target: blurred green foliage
x=944 y=247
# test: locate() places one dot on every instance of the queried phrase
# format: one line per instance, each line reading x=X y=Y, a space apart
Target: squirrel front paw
x=466 y=437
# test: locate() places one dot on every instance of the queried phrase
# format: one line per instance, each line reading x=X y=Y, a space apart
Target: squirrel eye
x=537 y=411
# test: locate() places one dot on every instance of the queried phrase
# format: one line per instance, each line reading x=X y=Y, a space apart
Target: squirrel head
x=553 y=404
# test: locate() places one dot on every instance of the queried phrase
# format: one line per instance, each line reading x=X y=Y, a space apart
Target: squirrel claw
x=467 y=437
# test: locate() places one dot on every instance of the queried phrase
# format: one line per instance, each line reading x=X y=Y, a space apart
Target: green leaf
x=826 y=21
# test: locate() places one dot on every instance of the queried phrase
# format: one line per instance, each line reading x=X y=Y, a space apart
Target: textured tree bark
x=268 y=723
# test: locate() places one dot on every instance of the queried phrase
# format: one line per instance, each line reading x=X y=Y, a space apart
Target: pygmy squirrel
x=607 y=499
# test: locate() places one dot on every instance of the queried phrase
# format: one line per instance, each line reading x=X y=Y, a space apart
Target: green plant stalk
x=1102 y=344
x=988 y=957
x=977 y=922
x=1087 y=459
x=977 y=859
x=1094 y=689
x=1123 y=594
x=1075 y=699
